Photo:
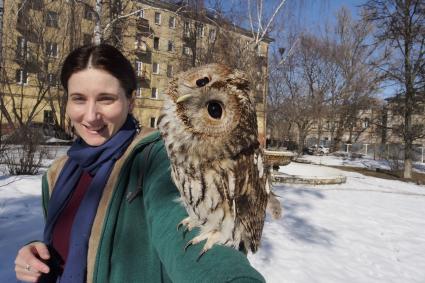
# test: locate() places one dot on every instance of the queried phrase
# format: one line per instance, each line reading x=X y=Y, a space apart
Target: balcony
x=143 y=27
x=143 y=77
x=141 y=48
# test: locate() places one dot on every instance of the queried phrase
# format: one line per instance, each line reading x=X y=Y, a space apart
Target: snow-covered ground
x=366 y=230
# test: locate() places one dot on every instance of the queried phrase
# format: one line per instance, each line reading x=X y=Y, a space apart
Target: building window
x=88 y=13
x=154 y=93
x=212 y=35
x=153 y=122
x=200 y=30
x=48 y=117
x=259 y=50
x=21 y=76
x=139 y=92
x=366 y=123
x=87 y=38
x=157 y=18
x=51 y=79
x=52 y=19
x=169 y=71
x=186 y=29
x=139 y=68
x=170 y=46
x=186 y=50
x=139 y=44
x=36 y=4
x=172 y=22
x=156 y=43
x=52 y=49
x=141 y=14
x=155 y=68
x=21 y=48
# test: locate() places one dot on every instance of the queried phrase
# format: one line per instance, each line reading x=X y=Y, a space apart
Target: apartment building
x=156 y=36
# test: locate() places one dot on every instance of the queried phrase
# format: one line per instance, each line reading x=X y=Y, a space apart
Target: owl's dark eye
x=202 y=82
x=214 y=109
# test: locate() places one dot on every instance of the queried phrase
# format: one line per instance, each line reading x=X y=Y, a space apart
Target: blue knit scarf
x=97 y=161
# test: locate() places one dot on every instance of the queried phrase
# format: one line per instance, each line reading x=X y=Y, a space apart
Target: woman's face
x=97 y=105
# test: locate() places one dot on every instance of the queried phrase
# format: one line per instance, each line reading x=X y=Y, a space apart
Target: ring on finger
x=28 y=267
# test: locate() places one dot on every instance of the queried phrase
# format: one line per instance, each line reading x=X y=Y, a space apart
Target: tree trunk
x=97 y=27
x=408 y=161
x=6 y=115
x=410 y=92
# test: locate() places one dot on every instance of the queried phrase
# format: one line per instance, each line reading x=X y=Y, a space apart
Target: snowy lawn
x=365 y=162
x=367 y=230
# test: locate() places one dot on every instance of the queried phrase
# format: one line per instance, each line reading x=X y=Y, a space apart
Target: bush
x=22 y=153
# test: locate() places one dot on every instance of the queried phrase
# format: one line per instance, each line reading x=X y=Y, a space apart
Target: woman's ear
x=131 y=105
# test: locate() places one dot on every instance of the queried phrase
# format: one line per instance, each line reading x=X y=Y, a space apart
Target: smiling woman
x=109 y=204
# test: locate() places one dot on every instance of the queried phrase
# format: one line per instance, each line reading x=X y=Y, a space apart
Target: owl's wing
x=251 y=197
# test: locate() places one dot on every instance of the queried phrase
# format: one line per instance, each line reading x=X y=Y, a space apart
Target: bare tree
x=327 y=80
x=34 y=64
x=354 y=81
x=400 y=28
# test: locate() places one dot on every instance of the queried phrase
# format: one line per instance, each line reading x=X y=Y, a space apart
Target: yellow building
x=161 y=39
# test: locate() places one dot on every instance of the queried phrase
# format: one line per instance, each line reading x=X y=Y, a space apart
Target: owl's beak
x=184 y=98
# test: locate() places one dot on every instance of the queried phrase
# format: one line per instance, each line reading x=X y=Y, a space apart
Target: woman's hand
x=28 y=263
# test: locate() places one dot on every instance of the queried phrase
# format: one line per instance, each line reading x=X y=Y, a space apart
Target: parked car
x=318 y=150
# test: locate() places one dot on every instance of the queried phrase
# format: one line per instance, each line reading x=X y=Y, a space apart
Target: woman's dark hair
x=103 y=57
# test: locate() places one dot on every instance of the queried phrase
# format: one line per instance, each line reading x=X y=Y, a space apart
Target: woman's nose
x=92 y=113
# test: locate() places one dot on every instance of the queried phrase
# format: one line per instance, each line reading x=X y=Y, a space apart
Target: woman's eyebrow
x=75 y=93
x=108 y=93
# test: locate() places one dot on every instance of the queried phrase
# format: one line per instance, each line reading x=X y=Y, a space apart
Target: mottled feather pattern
x=210 y=132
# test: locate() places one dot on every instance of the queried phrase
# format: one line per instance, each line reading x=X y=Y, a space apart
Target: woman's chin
x=94 y=139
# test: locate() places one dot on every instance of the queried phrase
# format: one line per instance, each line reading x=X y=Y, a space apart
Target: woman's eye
x=78 y=99
x=107 y=99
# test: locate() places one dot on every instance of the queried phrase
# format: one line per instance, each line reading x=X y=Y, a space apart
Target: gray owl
x=209 y=127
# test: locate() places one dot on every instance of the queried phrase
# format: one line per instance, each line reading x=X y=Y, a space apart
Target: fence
x=384 y=151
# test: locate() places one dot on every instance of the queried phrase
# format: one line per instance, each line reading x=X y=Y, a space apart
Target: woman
x=110 y=208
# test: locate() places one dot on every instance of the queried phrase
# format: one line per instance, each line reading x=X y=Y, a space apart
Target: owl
x=209 y=127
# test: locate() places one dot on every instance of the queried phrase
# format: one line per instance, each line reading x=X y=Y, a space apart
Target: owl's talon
x=201 y=254
x=185 y=232
x=188 y=245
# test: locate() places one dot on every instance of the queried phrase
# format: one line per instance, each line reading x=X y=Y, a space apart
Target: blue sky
x=311 y=14
x=306 y=15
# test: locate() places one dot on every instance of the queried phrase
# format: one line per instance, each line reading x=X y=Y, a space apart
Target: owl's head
x=212 y=101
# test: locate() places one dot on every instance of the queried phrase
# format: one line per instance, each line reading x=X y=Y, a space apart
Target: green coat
x=138 y=241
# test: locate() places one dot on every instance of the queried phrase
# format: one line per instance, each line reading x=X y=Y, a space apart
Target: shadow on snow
x=296 y=215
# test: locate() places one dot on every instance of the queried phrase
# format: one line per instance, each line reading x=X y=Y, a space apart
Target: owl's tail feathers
x=274 y=208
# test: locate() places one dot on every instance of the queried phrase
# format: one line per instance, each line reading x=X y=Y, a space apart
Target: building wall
x=139 y=33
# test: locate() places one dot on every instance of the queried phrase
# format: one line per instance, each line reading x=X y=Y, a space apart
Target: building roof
x=176 y=7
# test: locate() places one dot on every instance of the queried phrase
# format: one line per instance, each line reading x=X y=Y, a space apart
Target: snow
x=21 y=219
x=366 y=230
x=307 y=170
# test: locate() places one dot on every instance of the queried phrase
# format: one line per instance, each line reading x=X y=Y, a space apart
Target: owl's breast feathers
x=228 y=194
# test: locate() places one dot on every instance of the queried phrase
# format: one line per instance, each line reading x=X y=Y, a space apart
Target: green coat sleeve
x=163 y=212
